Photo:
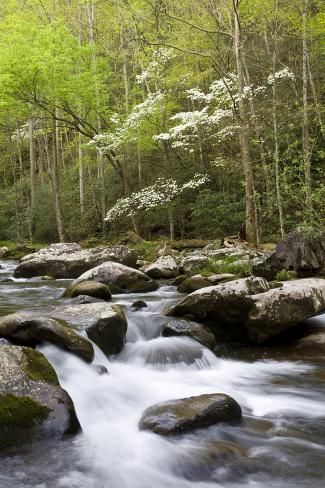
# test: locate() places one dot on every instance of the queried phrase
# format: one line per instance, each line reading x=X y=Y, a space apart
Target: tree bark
x=55 y=180
x=305 y=123
x=251 y=223
x=32 y=179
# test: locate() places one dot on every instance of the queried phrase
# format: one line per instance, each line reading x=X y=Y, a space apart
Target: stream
x=280 y=442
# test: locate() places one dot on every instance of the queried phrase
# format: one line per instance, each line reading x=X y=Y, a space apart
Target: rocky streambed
x=160 y=399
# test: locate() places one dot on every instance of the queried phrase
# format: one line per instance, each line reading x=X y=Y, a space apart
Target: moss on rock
x=21 y=411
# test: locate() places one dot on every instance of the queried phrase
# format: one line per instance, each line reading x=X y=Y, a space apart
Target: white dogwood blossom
x=126 y=131
x=161 y=193
x=283 y=74
x=155 y=68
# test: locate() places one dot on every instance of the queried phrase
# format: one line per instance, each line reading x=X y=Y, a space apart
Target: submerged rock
x=164 y=267
x=187 y=414
x=104 y=323
x=120 y=278
x=139 y=304
x=90 y=288
x=198 y=332
x=25 y=329
x=70 y=261
x=33 y=406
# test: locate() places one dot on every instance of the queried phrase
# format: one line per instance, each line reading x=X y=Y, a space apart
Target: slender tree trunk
x=55 y=180
x=32 y=179
x=305 y=124
x=315 y=97
x=251 y=223
x=275 y=130
x=81 y=177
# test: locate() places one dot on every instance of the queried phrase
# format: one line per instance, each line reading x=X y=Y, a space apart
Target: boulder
x=33 y=406
x=226 y=302
x=281 y=308
x=109 y=332
x=120 y=278
x=4 y=251
x=70 y=261
x=104 y=323
x=164 y=267
x=138 y=305
x=248 y=310
x=193 y=283
x=191 y=263
x=187 y=414
x=198 y=281
x=198 y=332
x=301 y=251
x=25 y=329
x=89 y=288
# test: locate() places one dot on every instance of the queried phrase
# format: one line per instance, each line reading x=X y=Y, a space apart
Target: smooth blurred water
x=281 y=440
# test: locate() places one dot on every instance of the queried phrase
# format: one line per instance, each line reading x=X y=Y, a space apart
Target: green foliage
x=227 y=265
x=284 y=275
x=216 y=215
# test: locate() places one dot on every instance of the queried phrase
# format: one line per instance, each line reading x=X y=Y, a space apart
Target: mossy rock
x=187 y=414
x=29 y=330
x=33 y=406
x=89 y=288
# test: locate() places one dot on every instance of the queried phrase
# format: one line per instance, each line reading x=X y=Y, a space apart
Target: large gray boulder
x=89 y=288
x=119 y=278
x=29 y=330
x=302 y=251
x=187 y=414
x=225 y=302
x=33 y=406
x=188 y=328
x=248 y=310
x=105 y=324
x=281 y=308
x=163 y=267
x=70 y=261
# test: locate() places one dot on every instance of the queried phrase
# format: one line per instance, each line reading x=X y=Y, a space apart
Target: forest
x=187 y=119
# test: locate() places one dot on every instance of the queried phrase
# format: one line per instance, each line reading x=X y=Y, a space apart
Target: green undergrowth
x=19 y=250
x=284 y=275
x=226 y=265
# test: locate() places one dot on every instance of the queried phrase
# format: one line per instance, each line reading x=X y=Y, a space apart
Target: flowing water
x=280 y=443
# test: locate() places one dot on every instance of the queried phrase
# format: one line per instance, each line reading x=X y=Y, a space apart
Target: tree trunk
x=275 y=130
x=81 y=177
x=305 y=125
x=251 y=223
x=55 y=180
x=32 y=179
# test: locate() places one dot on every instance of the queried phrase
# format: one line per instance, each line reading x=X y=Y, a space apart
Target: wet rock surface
x=89 y=288
x=27 y=329
x=187 y=414
x=198 y=332
x=105 y=324
x=33 y=406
